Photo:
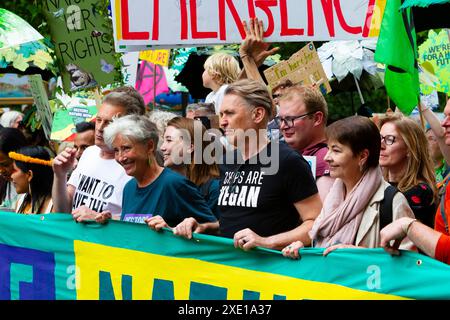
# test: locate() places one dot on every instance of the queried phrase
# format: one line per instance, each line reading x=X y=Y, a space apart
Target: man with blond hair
x=268 y=196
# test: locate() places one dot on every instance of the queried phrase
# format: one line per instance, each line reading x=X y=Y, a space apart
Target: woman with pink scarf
x=350 y=216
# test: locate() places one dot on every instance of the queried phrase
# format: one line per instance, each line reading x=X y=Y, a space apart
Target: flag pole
x=359 y=90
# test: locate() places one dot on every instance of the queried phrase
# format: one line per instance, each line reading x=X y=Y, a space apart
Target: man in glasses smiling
x=302 y=119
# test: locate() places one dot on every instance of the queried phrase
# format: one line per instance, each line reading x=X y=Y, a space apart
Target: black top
x=420 y=199
x=259 y=193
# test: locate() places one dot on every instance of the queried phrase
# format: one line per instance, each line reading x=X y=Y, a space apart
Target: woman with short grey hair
x=156 y=196
x=11 y=119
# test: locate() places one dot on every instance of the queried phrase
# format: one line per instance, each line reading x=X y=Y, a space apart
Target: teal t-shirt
x=210 y=191
x=170 y=196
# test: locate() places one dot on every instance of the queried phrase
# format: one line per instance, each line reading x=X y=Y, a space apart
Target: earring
x=29 y=189
x=361 y=167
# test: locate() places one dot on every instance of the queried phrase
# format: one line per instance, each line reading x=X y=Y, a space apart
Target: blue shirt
x=171 y=196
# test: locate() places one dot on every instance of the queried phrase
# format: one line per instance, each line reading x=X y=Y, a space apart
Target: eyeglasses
x=289 y=121
x=275 y=96
x=388 y=139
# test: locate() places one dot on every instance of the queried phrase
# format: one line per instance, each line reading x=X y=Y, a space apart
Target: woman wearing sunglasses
x=407 y=164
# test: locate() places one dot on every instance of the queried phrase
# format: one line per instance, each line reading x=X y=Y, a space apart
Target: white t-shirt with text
x=98 y=182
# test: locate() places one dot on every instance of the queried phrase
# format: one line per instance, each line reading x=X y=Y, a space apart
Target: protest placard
x=81 y=43
x=43 y=111
x=159 y=57
x=65 y=119
x=303 y=67
x=434 y=59
x=130 y=65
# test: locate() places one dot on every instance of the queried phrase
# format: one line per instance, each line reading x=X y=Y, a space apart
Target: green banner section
x=52 y=257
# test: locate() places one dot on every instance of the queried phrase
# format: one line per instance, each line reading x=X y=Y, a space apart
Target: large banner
x=52 y=257
x=145 y=23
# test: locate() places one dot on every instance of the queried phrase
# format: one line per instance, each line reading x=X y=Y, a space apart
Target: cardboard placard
x=303 y=67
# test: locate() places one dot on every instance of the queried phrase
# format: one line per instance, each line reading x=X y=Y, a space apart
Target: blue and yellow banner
x=52 y=257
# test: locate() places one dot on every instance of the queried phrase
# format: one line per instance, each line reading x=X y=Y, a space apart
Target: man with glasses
x=302 y=119
x=273 y=127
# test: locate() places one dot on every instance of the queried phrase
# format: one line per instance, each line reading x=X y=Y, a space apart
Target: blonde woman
x=407 y=164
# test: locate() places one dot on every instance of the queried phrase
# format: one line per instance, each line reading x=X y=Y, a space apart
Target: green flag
x=398 y=50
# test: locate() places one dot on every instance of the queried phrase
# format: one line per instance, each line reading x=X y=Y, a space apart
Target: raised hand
x=64 y=162
x=253 y=44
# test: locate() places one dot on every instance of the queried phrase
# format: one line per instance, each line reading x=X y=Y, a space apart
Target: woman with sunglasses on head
x=352 y=211
x=33 y=178
x=407 y=164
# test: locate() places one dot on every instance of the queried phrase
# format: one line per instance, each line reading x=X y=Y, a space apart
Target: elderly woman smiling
x=155 y=192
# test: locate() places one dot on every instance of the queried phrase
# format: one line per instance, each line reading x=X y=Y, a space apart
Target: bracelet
x=406 y=227
x=244 y=56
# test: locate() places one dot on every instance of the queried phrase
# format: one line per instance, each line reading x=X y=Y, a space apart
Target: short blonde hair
x=223 y=68
x=254 y=93
x=312 y=98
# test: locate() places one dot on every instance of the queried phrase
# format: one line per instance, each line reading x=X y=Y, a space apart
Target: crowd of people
x=234 y=167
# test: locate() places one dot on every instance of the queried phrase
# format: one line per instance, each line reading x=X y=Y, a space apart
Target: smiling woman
x=154 y=192
x=351 y=212
x=184 y=153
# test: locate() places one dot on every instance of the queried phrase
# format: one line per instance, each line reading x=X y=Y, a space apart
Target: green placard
x=81 y=44
x=65 y=119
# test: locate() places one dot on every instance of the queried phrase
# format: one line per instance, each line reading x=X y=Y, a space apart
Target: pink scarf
x=340 y=218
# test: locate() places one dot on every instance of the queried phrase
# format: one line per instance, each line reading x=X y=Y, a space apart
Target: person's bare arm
x=438 y=130
x=422 y=236
x=308 y=210
x=62 y=194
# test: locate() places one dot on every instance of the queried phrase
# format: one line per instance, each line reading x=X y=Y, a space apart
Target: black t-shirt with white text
x=251 y=198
